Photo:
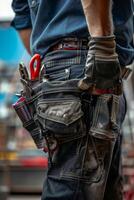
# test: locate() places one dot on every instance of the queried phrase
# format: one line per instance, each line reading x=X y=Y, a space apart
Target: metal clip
x=27 y=89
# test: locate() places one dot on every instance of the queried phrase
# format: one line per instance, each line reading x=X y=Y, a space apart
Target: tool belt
x=54 y=113
x=71 y=44
x=51 y=110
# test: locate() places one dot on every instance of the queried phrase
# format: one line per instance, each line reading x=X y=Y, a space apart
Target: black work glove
x=102 y=70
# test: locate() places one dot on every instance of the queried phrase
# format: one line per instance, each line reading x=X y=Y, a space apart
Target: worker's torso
x=55 y=19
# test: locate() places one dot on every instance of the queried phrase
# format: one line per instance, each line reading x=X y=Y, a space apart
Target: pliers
x=35 y=66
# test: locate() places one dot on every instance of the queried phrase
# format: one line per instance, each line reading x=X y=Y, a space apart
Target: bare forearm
x=98 y=16
x=25 y=36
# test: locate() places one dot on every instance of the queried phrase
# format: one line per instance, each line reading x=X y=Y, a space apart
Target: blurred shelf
x=21 y=178
x=26 y=179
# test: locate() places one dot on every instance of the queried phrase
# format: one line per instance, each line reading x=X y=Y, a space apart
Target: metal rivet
x=33 y=2
x=64 y=115
x=66 y=70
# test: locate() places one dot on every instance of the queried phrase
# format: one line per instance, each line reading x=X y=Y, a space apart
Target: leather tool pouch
x=58 y=108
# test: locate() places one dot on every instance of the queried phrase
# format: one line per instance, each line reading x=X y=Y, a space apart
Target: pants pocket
x=61 y=75
x=81 y=162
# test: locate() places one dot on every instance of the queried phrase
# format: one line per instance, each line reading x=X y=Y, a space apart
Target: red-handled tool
x=35 y=66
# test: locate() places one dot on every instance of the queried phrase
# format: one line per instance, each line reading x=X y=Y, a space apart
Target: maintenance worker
x=90 y=41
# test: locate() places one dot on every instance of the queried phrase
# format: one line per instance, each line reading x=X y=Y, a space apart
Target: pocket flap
x=65 y=112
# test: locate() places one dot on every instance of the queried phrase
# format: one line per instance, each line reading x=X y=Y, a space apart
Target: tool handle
x=35 y=67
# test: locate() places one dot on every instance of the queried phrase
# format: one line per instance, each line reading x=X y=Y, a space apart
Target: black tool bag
x=57 y=108
x=53 y=108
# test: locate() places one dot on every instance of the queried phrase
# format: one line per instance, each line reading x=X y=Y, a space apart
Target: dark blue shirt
x=52 y=20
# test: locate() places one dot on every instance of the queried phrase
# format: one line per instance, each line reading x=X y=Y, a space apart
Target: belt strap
x=71 y=44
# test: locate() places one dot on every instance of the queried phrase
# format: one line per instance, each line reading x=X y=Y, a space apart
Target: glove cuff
x=103 y=47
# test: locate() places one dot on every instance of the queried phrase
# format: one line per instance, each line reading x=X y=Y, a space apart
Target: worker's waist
x=81 y=44
x=71 y=44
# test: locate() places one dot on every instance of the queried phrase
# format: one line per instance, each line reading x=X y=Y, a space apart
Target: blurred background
x=22 y=166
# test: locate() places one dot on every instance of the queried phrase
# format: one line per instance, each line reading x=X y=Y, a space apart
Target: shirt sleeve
x=22 y=19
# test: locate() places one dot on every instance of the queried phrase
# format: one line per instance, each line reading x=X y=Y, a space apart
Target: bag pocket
x=22 y=110
x=105 y=118
x=61 y=116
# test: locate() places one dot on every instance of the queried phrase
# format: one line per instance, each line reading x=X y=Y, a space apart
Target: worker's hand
x=102 y=72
